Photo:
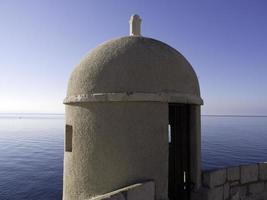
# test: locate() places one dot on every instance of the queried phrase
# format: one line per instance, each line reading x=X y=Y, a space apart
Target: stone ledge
x=145 y=191
x=134 y=96
x=118 y=196
x=139 y=191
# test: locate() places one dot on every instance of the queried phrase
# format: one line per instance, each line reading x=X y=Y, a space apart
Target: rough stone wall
x=246 y=182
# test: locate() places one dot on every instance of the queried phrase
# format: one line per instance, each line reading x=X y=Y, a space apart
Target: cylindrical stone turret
x=117 y=116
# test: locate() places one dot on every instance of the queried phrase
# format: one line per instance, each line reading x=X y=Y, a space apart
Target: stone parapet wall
x=246 y=182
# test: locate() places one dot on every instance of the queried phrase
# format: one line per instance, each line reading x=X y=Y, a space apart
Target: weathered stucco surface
x=133 y=65
x=115 y=145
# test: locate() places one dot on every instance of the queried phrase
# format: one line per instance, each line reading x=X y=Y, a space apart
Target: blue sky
x=225 y=41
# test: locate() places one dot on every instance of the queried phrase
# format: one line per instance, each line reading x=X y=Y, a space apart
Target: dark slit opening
x=179 y=152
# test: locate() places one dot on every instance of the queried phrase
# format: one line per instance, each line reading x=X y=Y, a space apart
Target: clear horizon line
x=208 y=115
x=232 y=115
x=32 y=113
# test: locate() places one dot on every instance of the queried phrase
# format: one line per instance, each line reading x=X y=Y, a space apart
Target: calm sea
x=31 y=151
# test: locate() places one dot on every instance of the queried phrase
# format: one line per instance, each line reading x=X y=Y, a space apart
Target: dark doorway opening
x=179 y=152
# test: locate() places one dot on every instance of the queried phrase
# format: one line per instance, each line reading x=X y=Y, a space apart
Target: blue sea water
x=31 y=157
x=31 y=151
x=231 y=141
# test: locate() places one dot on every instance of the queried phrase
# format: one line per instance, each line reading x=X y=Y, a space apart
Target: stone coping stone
x=233 y=173
x=215 y=178
x=118 y=196
x=263 y=171
x=145 y=191
x=249 y=173
x=139 y=191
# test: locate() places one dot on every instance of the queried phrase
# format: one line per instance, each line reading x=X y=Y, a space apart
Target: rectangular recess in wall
x=68 y=138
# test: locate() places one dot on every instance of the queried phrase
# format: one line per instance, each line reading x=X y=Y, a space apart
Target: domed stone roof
x=134 y=68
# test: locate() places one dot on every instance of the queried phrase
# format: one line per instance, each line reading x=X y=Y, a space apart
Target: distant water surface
x=31 y=151
x=229 y=141
x=31 y=157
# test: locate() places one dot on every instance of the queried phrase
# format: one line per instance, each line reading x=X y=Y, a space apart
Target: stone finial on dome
x=135 y=25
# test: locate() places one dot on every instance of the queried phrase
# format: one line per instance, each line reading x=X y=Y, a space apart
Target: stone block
x=212 y=179
x=265 y=186
x=234 y=183
x=249 y=173
x=146 y=191
x=264 y=194
x=238 y=191
x=263 y=171
x=214 y=194
x=256 y=188
x=233 y=173
x=226 y=191
x=197 y=195
x=235 y=197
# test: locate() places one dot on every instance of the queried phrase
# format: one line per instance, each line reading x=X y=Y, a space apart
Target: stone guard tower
x=132 y=115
